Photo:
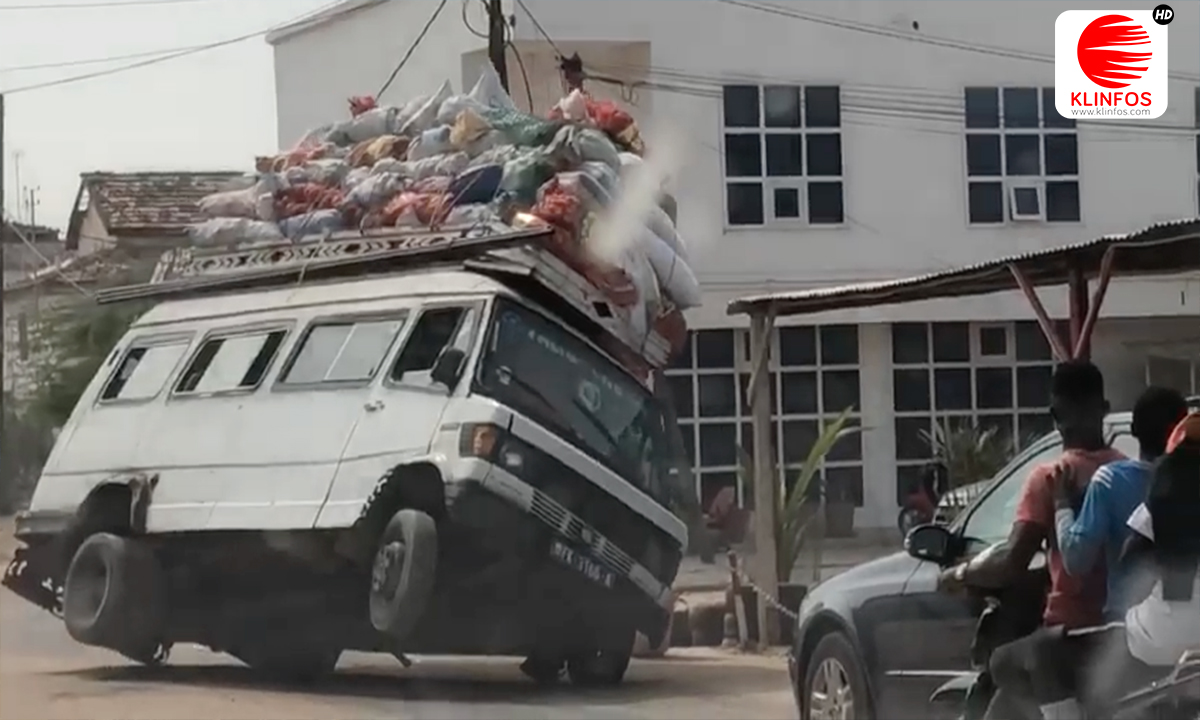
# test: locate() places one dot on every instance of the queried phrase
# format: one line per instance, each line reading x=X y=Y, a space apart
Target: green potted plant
x=794 y=513
x=971 y=455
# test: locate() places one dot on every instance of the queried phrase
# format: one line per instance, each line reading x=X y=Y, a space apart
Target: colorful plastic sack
x=519 y=128
x=524 y=175
x=409 y=209
x=369 y=152
x=434 y=141
x=467 y=129
x=231 y=231
x=318 y=222
x=477 y=185
x=303 y=199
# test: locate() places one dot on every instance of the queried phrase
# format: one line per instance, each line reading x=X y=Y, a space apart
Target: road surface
x=44 y=674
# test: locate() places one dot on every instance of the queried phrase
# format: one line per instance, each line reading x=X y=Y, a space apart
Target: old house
x=120 y=226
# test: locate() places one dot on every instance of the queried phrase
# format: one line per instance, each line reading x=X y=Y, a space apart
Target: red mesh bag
x=300 y=199
x=428 y=208
x=359 y=104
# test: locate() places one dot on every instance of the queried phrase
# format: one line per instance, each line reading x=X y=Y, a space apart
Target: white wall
x=905 y=177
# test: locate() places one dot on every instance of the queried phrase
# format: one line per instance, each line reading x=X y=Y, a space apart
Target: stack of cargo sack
x=449 y=160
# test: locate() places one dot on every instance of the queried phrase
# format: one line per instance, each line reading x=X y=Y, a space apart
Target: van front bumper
x=500 y=509
x=30 y=575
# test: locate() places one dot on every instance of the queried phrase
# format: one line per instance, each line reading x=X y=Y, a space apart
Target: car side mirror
x=448 y=367
x=930 y=542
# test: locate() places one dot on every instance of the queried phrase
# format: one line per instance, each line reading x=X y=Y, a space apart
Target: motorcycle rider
x=1039 y=669
x=1166 y=538
x=1098 y=533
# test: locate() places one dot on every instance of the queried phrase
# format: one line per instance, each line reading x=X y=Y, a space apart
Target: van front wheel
x=604 y=665
x=403 y=573
x=114 y=597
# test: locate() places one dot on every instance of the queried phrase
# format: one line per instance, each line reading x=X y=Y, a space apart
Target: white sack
x=425 y=116
x=489 y=91
x=676 y=278
x=230 y=231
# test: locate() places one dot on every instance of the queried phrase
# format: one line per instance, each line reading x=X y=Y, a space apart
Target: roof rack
x=516 y=256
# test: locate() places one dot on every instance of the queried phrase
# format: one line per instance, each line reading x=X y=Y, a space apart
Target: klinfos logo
x=1111 y=65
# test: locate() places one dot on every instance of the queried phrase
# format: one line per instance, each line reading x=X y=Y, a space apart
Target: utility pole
x=498 y=40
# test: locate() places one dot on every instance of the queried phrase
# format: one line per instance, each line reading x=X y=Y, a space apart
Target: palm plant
x=793 y=515
x=970 y=453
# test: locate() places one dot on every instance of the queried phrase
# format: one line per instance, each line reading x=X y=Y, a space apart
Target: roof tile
x=157 y=201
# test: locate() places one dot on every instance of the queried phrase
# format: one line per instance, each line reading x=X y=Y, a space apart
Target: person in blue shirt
x=1098 y=531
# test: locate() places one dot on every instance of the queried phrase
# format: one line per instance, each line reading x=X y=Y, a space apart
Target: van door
x=402 y=414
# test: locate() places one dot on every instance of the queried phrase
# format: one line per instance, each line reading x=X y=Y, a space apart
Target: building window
x=1196 y=123
x=1022 y=157
x=783 y=155
x=988 y=375
x=813 y=377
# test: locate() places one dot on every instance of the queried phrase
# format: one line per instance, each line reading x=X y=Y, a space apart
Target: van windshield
x=555 y=378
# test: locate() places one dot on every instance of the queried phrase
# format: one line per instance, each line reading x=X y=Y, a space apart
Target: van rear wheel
x=403 y=573
x=114 y=597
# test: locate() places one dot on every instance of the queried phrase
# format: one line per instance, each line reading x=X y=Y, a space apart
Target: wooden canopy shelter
x=1164 y=249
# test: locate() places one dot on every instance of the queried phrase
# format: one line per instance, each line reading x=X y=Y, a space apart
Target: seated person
x=1039 y=669
x=1161 y=557
x=1098 y=533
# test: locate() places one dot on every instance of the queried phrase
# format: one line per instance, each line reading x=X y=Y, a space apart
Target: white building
x=837 y=142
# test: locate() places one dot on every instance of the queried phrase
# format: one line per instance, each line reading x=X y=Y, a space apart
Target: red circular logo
x=1102 y=52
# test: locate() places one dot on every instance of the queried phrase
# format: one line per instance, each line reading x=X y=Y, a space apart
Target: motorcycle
x=1014 y=612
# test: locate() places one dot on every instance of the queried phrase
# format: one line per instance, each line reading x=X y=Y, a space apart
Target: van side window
x=143 y=371
x=344 y=351
x=237 y=362
x=435 y=330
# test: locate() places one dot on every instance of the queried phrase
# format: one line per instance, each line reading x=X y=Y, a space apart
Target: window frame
x=281 y=384
x=692 y=371
x=264 y=329
x=405 y=334
x=975 y=363
x=1196 y=140
x=769 y=183
x=1008 y=182
x=148 y=340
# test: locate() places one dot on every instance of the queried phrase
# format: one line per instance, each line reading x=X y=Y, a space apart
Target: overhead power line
x=413 y=48
x=107 y=4
x=97 y=60
x=910 y=36
x=162 y=58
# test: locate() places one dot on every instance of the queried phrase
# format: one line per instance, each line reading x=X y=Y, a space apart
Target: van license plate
x=581 y=563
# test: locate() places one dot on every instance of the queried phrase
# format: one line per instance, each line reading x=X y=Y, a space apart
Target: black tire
x=403 y=573
x=288 y=661
x=834 y=652
x=543 y=670
x=114 y=597
x=604 y=667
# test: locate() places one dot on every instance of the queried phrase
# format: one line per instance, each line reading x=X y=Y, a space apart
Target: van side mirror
x=930 y=542
x=448 y=367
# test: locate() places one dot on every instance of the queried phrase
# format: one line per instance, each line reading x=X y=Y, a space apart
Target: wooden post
x=765 y=490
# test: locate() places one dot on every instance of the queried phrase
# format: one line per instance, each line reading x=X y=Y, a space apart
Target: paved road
x=43 y=674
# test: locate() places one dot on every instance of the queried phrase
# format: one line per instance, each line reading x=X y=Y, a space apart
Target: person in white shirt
x=1161 y=558
x=1167 y=530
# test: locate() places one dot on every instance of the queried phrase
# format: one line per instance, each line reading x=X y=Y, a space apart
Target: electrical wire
x=524 y=75
x=894 y=33
x=96 y=60
x=108 y=4
x=541 y=30
x=467 y=23
x=412 y=48
x=163 y=58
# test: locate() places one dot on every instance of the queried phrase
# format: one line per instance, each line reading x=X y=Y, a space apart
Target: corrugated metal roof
x=1166 y=248
x=160 y=202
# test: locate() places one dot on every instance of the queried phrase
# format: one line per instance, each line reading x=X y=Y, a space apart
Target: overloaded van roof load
x=466 y=180
x=513 y=256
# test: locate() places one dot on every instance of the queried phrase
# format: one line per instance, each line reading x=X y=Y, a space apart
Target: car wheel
x=114 y=597
x=604 y=666
x=403 y=573
x=835 y=687
x=542 y=669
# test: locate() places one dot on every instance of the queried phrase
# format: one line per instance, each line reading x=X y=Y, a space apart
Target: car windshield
x=550 y=375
